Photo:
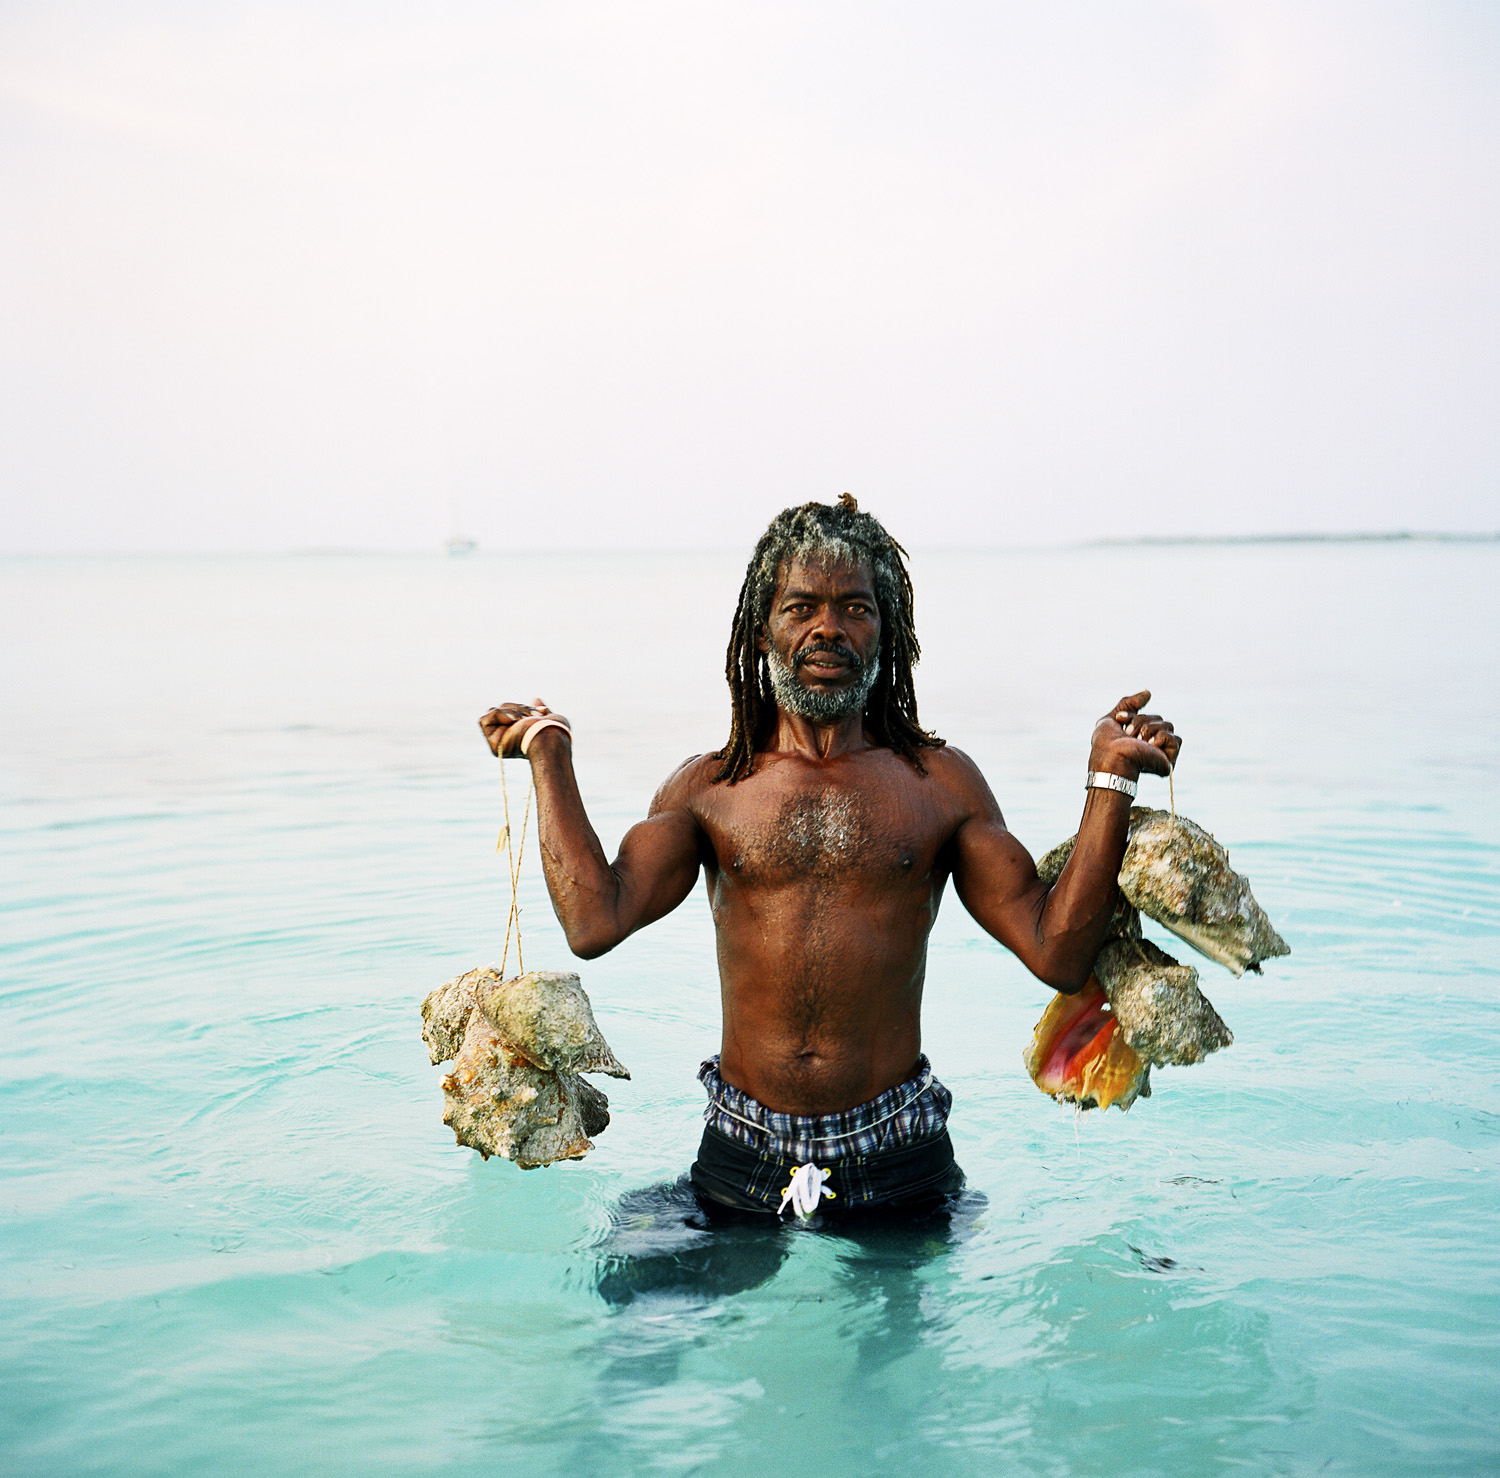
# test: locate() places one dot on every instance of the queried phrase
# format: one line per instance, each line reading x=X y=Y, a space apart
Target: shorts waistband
x=906 y=1114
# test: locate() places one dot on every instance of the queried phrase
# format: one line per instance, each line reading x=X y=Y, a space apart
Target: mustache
x=847 y=654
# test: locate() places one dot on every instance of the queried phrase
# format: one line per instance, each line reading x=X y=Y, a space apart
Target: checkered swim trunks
x=887 y=1152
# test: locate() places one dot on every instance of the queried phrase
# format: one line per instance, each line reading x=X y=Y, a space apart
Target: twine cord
x=513 y=857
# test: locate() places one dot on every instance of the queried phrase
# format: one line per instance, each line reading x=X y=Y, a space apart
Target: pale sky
x=640 y=274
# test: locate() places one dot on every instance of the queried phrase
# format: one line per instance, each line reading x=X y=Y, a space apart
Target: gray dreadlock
x=838 y=532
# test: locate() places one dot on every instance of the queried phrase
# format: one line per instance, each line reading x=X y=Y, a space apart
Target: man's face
x=822 y=639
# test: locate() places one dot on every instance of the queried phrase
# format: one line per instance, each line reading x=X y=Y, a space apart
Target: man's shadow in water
x=666 y=1245
x=665 y=1253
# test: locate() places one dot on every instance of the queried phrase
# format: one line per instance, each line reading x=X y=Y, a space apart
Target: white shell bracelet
x=536 y=728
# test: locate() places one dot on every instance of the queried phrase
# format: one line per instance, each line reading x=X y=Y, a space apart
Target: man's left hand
x=1127 y=741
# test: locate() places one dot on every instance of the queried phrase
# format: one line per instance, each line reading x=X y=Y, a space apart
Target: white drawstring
x=806 y=1189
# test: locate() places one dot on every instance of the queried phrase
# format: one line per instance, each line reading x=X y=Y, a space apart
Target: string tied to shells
x=520 y=1044
x=513 y=859
x=1140 y=1008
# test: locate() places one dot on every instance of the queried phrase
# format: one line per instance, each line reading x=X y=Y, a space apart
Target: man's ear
x=762 y=641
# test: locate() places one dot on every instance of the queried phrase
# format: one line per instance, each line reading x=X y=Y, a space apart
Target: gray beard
x=819 y=707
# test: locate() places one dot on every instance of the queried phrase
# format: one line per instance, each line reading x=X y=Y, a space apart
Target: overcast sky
x=639 y=274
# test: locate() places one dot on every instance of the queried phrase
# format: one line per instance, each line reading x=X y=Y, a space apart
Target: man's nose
x=829 y=626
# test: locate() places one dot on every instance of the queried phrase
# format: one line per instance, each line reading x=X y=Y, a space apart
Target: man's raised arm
x=598 y=903
x=1056 y=932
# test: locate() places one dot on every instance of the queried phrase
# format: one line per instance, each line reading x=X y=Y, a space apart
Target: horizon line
x=318 y=551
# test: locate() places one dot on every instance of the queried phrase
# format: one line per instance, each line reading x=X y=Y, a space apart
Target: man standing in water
x=827 y=828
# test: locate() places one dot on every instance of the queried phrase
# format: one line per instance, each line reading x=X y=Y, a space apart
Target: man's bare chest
x=789 y=832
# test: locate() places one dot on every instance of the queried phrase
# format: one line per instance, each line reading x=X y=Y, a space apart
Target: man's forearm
x=584 y=889
x=1077 y=910
x=1079 y=904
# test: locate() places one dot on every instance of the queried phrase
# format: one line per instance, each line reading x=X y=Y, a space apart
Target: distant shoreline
x=1394 y=536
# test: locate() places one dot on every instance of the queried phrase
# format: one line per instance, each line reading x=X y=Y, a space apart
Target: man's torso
x=824 y=879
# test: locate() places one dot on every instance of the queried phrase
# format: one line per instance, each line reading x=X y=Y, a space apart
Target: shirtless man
x=826 y=830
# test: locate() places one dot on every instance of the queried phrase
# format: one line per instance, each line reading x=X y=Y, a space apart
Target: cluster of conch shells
x=519 y=1047
x=1141 y=1008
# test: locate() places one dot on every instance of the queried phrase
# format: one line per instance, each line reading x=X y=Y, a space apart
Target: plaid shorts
x=904 y=1115
x=892 y=1149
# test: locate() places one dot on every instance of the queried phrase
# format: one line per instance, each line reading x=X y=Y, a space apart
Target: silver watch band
x=1103 y=780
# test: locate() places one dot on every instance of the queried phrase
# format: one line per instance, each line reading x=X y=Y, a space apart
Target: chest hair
x=815 y=833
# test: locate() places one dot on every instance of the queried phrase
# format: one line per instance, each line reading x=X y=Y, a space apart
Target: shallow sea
x=248 y=822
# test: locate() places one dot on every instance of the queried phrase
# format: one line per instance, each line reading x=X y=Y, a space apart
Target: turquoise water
x=248 y=822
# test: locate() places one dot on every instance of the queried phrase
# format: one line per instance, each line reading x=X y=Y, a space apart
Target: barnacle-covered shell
x=548 y=1016
x=514 y=1090
x=445 y=1015
x=1176 y=873
x=498 y=1103
x=1162 y=1014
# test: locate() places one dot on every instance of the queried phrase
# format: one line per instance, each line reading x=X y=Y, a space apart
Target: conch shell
x=1162 y=1014
x=519 y=1046
x=1141 y=1008
x=1079 y=1055
x=1179 y=875
x=547 y=1013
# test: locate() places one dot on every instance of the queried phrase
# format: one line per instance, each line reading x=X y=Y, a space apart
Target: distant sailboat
x=457 y=543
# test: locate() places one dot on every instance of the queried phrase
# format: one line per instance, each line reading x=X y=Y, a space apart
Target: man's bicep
x=657 y=866
x=996 y=880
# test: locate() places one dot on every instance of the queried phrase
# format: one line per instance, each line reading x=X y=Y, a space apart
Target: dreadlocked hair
x=824 y=532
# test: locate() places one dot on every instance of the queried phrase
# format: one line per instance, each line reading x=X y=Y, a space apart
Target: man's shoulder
x=688 y=781
x=950 y=765
x=957 y=774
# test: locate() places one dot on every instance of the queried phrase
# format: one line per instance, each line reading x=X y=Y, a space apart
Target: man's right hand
x=599 y=903
x=504 y=727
